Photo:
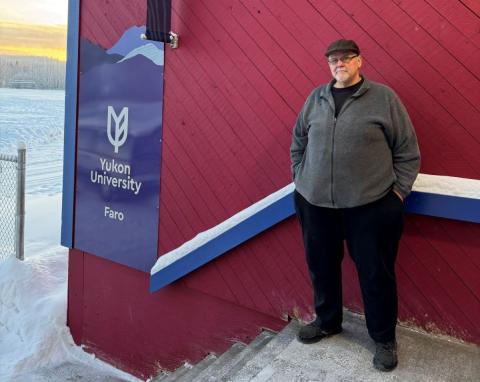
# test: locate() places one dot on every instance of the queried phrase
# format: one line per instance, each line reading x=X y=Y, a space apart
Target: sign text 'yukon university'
x=107 y=177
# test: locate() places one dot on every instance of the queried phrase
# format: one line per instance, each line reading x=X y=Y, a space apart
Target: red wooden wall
x=232 y=92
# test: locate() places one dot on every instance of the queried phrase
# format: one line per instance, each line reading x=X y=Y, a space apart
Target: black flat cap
x=342 y=45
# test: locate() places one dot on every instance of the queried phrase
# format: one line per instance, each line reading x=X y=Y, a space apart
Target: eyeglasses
x=344 y=59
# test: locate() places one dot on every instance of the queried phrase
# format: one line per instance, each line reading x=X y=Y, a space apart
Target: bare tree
x=32 y=72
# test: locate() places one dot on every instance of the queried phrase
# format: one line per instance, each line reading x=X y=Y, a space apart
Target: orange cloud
x=33 y=40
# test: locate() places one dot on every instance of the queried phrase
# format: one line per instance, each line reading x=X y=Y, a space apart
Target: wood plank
x=195 y=172
x=289 y=237
x=257 y=282
x=449 y=320
x=179 y=199
x=197 y=192
x=445 y=97
x=453 y=262
x=178 y=212
x=238 y=280
x=286 y=279
x=459 y=16
x=247 y=257
x=413 y=306
x=236 y=82
x=107 y=21
x=113 y=25
x=260 y=60
x=440 y=284
x=209 y=157
x=228 y=126
x=265 y=146
x=448 y=35
x=252 y=82
x=76 y=287
x=204 y=169
x=263 y=32
x=165 y=240
x=438 y=156
x=286 y=252
x=212 y=280
x=432 y=58
x=280 y=283
x=467 y=237
x=262 y=272
x=93 y=30
x=472 y=6
x=292 y=32
x=427 y=313
x=170 y=227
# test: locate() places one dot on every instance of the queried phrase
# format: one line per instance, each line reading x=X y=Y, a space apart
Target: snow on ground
x=35 y=343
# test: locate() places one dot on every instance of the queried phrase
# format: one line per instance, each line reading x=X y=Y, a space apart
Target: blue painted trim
x=238 y=234
x=449 y=207
x=70 y=127
x=444 y=206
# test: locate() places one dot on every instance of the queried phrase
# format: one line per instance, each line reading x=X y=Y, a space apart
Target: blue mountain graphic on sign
x=92 y=55
x=131 y=40
x=149 y=51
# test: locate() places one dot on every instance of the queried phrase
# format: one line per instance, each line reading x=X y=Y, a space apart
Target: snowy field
x=35 y=343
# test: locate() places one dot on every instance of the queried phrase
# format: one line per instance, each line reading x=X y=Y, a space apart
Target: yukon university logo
x=114 y=173
x=121 y=127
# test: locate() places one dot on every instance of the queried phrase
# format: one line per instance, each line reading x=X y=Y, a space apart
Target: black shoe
x=312 y=333
x=385 y=358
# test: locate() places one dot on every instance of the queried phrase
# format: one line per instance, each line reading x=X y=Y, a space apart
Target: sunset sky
x=33 y=28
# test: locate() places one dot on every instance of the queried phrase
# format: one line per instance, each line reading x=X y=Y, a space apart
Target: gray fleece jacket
x=359 y=156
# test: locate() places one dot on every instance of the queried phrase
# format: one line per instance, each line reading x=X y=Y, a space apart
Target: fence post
x=20 y=213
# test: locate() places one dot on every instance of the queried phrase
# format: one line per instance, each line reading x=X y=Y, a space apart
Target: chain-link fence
x=12 y=204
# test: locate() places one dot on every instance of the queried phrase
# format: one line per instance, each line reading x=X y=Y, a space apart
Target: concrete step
x=212 y=368
x=174 y=375
x=224 y=362
x=160 y=377
x=242 y=358
x=193 y=373
x=264 y=356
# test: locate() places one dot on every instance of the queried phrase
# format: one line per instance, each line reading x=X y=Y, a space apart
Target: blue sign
x=119 y=150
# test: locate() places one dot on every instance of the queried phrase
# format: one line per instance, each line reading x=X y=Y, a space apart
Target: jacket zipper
x=333 y=136
x=331 y=168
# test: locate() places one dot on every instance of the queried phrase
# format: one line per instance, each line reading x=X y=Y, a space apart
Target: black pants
x=372 y=233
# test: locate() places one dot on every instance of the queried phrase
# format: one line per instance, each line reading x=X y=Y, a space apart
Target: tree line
x=31 y=72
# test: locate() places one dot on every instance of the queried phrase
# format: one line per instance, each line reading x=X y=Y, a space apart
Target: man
x=354 y=159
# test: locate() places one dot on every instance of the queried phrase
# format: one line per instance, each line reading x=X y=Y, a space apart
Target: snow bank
x=33 y=331
x=34 y=337
x=448 y=185
x=32 y=314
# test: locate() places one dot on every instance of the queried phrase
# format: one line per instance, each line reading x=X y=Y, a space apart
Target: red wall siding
x=232 y=93
x=141 y=332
